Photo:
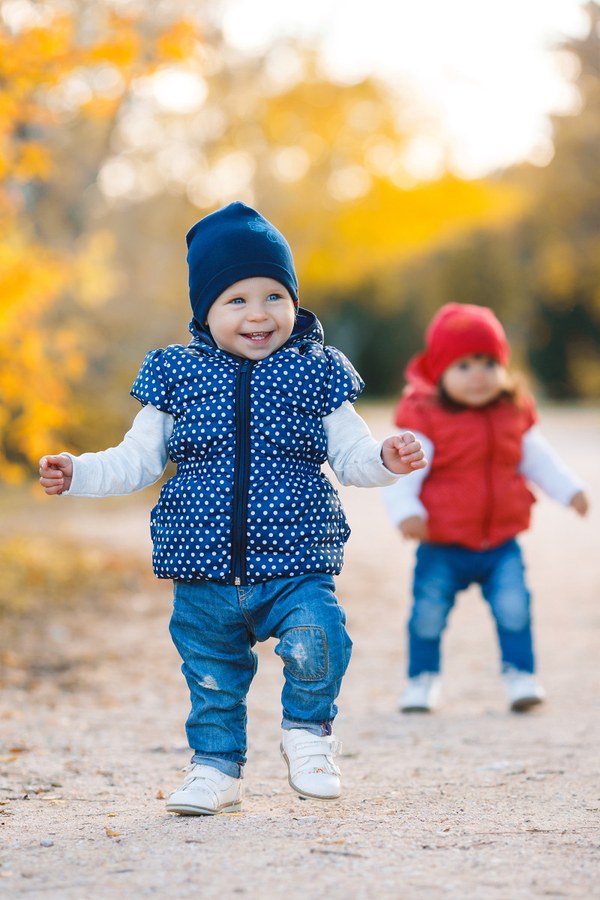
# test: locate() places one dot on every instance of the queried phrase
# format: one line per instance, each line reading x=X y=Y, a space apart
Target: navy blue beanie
x=232 y=244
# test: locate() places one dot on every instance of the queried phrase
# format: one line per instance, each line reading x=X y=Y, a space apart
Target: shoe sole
x=525 y=703
x=416 y=709
x=304 y=794
x=184 y=810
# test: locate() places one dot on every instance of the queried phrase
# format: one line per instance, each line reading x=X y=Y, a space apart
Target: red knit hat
x=457 y=330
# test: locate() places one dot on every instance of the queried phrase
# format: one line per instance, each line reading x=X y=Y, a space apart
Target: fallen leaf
x=160 y=795
x=110 y=833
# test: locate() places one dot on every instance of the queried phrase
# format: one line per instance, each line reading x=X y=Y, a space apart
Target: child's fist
x=56 y=473
x=414 y=528
x=402 y=453
x=580 y=503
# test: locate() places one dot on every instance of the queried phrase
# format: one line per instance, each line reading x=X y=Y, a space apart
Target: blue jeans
x=444 y=569
x=214 y=628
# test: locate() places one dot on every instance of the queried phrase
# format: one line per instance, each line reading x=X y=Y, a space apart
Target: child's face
x=474 y=380
x=252 y=318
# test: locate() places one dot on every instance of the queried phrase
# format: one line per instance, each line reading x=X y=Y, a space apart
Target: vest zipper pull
x=237 y=581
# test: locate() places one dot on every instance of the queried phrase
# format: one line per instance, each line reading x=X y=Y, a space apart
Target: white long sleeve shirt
x=141 y=457
x=540 y=465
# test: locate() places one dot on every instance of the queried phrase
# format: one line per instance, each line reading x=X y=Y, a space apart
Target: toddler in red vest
x=479 y=433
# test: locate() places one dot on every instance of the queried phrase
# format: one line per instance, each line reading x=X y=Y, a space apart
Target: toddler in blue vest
x=249 y=529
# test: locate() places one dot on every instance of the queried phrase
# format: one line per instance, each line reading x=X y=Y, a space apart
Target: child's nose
x=257 y=312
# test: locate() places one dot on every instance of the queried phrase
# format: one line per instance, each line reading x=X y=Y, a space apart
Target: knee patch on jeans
x=512 y=614
x=428 y=621
x=304 y=652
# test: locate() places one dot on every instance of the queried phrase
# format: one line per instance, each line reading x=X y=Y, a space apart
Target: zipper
x=239 y=517
x=487 y=518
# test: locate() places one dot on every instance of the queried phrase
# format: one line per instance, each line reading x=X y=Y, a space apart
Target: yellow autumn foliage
x=392 y=225
x=40 y=358
x=178 y=42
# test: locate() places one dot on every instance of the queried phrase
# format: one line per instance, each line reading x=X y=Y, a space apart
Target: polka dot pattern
x=295 y=521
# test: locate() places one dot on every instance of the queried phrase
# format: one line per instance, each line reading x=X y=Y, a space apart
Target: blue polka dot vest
x=248 y=501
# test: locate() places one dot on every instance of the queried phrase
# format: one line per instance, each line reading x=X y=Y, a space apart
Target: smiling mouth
x=258 y=337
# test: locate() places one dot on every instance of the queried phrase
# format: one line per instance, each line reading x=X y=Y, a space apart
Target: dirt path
x=469 y=803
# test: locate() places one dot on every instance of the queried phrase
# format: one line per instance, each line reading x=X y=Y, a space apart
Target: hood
x=417 y=375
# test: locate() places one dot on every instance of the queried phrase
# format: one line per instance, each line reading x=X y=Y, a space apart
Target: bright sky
x=483 y=68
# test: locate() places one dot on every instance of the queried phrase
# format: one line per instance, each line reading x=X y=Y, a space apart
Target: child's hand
x=580 y=503
x=56 y=473
x=403 y=453
x=414 y=528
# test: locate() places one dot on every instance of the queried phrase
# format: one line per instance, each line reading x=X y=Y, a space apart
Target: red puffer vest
x=474 y=493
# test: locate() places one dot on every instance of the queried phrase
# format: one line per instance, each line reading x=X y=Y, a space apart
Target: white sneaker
x=522 y=690
x=421 y=693
x=311 y=769
x=205 y=792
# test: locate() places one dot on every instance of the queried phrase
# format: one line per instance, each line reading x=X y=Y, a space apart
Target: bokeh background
x=411 y=156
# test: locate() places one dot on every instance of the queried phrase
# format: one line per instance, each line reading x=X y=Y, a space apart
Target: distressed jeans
x=441 y=571
x=214 y=628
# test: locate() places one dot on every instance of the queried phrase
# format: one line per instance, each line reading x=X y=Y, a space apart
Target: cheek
x=495 y=381
x=217 y=318
x=452 y=381
x=288 y=320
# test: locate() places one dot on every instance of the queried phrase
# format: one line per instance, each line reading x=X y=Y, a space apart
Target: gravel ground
x=472 y=802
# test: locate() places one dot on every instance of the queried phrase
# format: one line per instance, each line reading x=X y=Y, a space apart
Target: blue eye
x=490 y=363
x=274 y=297
x=237 y=300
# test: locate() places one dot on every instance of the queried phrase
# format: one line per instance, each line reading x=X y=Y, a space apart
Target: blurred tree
x=62 y=80
x=330 y=164
x=540 y=273
x=561 y=240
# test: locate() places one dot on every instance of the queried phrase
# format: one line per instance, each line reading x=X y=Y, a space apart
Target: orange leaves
x=122 y=46
x=48 y=69
x=32 y=387
x=178 y=42
x=34 y=162
x=37 y=55
x=92 y=278
x=357 y=240
x=31 y=278
x=61 y=78
x=343 y=149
